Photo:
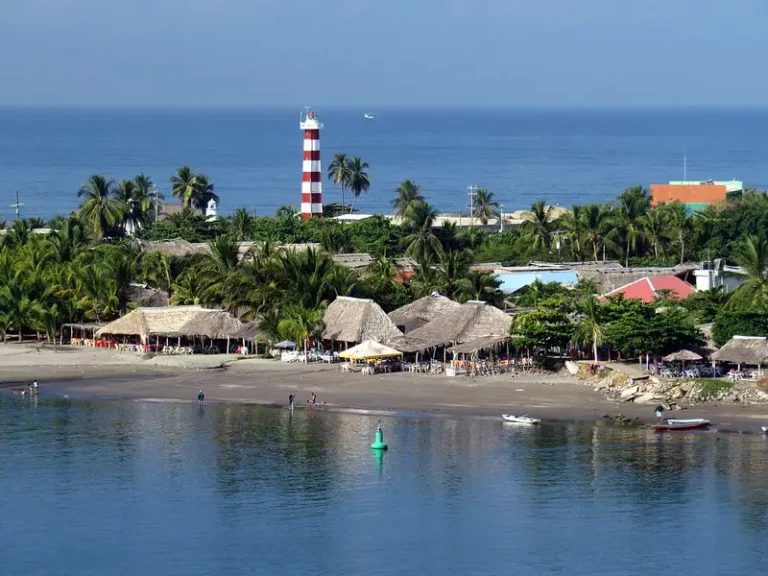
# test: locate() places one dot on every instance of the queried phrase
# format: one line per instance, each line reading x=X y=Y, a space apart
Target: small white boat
x=764 y=429
x=527 y=420
x=678 y=424
x=369 y=116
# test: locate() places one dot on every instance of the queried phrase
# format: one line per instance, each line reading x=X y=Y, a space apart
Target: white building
x=717 y=274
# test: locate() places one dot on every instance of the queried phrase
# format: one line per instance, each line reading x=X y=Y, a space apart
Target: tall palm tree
x=537 y=227
x=681 y=221
x=593 y=226
x=589 y=328
x=452 y=266
x=302 y=323
x=184 y=185
x=21 y=310
x=655 y=226
x=241 y=224
x=358 y=179
x=633 y=204
x=484 y=206
x=574 y=224
x=204 y=193
x=408 y=196
x=125 y=192
x=100 y=209
x=286 y=211
x=480 y=286
x=753 y=257
x=422 y=242
x=338 y=172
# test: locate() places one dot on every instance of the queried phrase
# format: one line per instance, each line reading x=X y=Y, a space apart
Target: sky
x=383 y=52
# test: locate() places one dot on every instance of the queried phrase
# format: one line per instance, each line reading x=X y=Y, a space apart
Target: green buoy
x=378 y=443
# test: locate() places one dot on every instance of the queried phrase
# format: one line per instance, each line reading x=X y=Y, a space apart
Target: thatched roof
x=146 y=296
x=468 y=322
x=175 y=321
x=743 y=350
x=478 y=344
x=370 y=349
x=251 y=331
x=177 y=247
x=682 y=355
x=421 y=311
x=356 y=320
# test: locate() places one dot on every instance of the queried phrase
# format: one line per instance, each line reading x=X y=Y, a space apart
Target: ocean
x=254 y=155
x=102 y=488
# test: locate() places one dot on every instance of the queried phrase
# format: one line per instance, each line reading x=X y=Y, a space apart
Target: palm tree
x=593 y=225
x=336 y=240
x=21 y=310
x=681 y=222
x=589 y=328
x=302 y=324
x=655 y=229
x=241 y=224
x=484 y=206
x=384 y=269
x=574 y=224
x=537 y=227
x=129 y=206
x=184 y=185
x=286 y=211
x=338 y=172
x=189 y=287
x=203 y=193
x=480 y=286
x=422 y=242
x=633 y=204
x=358 y=179
x=100 y=209
x=753 y=257
x=408 y=197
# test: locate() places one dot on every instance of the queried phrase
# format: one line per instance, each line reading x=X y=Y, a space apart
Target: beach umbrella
x=285 y=345
x=370 y=350
x=682 y=356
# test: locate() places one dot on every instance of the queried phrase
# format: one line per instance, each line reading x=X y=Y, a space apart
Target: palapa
x=369 y=350
x=175 y=321
x=743 y=350
x=682 y=356
x=468 y=322
x=356 y=320
x=484 y=343
x=422 y=311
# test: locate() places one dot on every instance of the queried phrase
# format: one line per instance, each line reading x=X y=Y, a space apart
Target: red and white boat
x=678 y=424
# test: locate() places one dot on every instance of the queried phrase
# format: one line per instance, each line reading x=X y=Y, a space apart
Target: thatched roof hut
x=484 y=343
x=422 y=311
x=356 y=320
x=175 y=321
x=743 y=350
x=468 y=322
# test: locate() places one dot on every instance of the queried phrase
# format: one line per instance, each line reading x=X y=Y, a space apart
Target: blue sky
x=390 y=52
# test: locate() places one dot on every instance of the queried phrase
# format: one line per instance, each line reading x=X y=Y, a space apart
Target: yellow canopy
x=369 y=349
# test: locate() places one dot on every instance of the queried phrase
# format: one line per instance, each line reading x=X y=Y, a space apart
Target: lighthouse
x=312 y=174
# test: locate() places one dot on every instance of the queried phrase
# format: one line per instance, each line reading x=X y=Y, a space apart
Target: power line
x=17 y=205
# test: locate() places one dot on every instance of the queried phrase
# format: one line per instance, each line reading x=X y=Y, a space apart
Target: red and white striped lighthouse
x=312 y=176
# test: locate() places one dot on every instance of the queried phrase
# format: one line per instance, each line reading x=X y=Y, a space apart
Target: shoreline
x=90 y=374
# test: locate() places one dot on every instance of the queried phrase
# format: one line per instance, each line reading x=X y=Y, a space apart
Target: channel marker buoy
x=378 y=443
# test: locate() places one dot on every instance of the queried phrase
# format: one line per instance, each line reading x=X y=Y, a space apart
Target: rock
x=762 y=396
x=655 y=380
x=645 y=398
x=602 y=385
x=629 y=393
x=676 y=392
x=572 y=367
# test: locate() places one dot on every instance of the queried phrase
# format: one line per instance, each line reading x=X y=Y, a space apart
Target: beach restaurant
x=174 y=330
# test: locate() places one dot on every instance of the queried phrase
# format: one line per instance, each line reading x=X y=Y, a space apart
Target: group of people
x=31 y=388
x=312 y=402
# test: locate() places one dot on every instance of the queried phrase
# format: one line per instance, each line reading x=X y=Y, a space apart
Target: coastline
x=103 y=374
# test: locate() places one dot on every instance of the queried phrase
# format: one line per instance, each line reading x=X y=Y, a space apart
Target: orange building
x=694 y=196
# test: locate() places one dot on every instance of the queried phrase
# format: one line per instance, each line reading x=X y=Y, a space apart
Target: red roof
x=648 y=288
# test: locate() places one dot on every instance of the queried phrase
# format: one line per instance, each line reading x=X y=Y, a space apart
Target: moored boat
x=680 y=424
x=526 y=420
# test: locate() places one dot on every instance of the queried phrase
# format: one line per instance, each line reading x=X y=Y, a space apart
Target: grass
x=711 y=388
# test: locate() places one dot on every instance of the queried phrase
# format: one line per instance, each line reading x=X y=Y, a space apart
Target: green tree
x=730 y=323
x=477 y=285
x=589 y=328
x=656 y=229
x=407 y=199
x=537 y=228
x=545 y=327
x=100 y=210
x=339 y=173
x=302 y=324
x=633 y=204
x=753 y=257
x=484 y=206
x=422 y=242
x=358 y=179
x=184 y=185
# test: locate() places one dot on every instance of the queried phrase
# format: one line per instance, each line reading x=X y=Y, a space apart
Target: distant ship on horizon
x=369 y=116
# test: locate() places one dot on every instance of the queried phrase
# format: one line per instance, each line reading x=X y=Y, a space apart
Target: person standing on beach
x=200 y=398
x=659 y=412
x=290 y=402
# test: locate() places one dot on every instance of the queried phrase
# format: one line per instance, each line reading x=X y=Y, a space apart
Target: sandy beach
x=89 y=372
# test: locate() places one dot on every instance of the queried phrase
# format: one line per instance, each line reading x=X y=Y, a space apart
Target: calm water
x=103 y=488
x=254 y=156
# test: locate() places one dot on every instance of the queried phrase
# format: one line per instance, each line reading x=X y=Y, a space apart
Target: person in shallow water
x=312 y=400
x=200 y=398
x=659 y=412
x=290 y=402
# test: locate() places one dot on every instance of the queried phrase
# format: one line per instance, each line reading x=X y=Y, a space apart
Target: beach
x=98 y=373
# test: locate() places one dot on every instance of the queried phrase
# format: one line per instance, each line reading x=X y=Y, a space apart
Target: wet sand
x=82 y=372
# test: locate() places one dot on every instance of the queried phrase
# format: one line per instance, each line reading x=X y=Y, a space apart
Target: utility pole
x=501 y=219
x=155 y=196
x=472 y=190
x=17 y=205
